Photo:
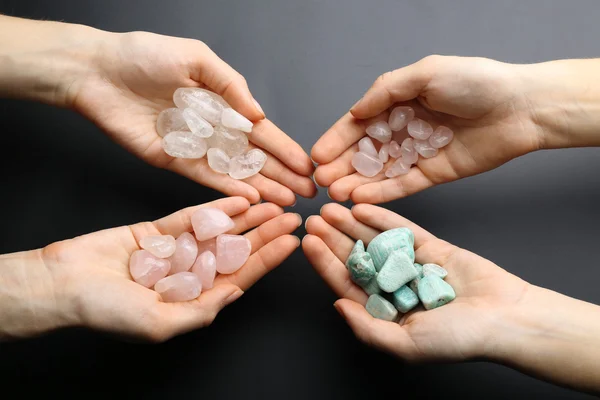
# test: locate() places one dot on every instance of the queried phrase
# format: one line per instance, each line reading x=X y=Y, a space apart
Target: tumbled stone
x=218 y=160
x=365 y=145
x=399 y=167
x=361 y=268
x=400 y=117
x=435 y=292
x=358 y=248
x=234 y=120
x=434 y=269
x=419 y=269
x=441 y=137
x=398 y=270
x=414 y=284
x=197 y=124
x=184 y=144
x=408 y=152
x=185 y=254
x=383 y=244
x=404 y=299
x=366 y=165
x=419 y=129
x=372 y=287
x=208 y=245
x=207 y=104
x=205 y=268
x=232 y=252
x=210 y=222
x=246 y=165
x=380 y=131
x=170 y=120
x=161 y=246
x=147 y=269
x=384 y=153
x=380 y=308
x=394 y=149
x=425 y=149
x=182 y=286
x=232 y=141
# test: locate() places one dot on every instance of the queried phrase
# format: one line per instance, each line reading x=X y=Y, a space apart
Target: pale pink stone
x=384 y=153
x=408 y=152
x=210 y=222
x=232 y=252
x=400 y=117
x=206 y=269
x=441 y=137
x=366 y=146
x=366 y=165
x=208 y=245
x=419 y=129
x=380 y=131
x=425 y=149
x=147 y=269
x=182 y=286
x=394 y=149
x=185 y=253
x=398 y=168
x=161 y=246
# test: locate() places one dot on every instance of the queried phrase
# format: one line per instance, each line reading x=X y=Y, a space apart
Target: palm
x=455 y=331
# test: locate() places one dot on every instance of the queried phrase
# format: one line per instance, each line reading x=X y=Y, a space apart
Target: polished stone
x=232 y=253
x=170 y=120
x=399 y=167
x=366 y=165
x=182 y=286
x=247 y=165
x=380 y=308
x=441 y=137
x=184 y=144
x=209 y=222
x=404 y=299
x=425 y=149
x=232 y=141
x=197 y=124
x=161 y=246
x=207 y=104
x=365 y=145
x=185 y=254
x=205 y=268
x=380 y=131
x=434 y=269
x=419 y=129
x=397 y=271
x=386 y=242
x=234 y=120
x=147 y=269
x=384 y=153
x=394 y=150
x=400 y=117
x=408 y=152
x=218 y=160
x=435 y=292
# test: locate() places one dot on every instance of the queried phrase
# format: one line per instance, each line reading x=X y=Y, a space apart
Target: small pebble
x=366 y=165
x=380 y=131
x=209 y=222
x=419 y=129
x=395 y=150
x=205 y=268
x=234 y=120
x=365 y=145
x=434 y=269
x=207 y=104
x=183 y=286
x=184 y=144
x=380 y=308
x=408 y=152
x=435 y=292
x=399 y=167
x=197 y=124
x=372 y=287
x=360 y=265
x=232 y=141
x=170 y=120
x=441 y=137
x=185 y=254
x=384 y=153
x=419 y=269
x=397 y=271
x=400 y=117
x=386 y=242
x=247 y=165
x=232 y=253
x=147 y=269
x=161 y=246
x=404 y=299
x=218 y=160
x=425 y=149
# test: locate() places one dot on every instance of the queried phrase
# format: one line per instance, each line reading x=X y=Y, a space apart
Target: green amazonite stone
x=360 y=265
x=398 y=270
x=434 y=269
x=372 y=287
x=419 y=268
x=435 y=292
x=414 y=284
x=383 y=244
x=404 y=299
x=380 y=308
x=359 y=248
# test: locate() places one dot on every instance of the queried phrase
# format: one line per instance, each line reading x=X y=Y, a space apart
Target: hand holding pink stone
x=209 y=223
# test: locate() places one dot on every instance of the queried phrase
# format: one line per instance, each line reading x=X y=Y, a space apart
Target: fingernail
x=314 y=181
x=233 y=297
x=356 y=104
x=307 y=219
x=339 y=310
x=300 y=218
x=329 y=195
x=259 y=107
x=299 y=241
x=321 y=209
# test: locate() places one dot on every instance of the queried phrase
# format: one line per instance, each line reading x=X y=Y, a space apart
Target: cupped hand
x=460 y=330
x=483 y=101
x=92 y=271
x=133 y=76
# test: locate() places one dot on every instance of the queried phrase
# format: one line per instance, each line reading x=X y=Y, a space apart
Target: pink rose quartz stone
x=425 y=149
x=232 y=252
x=394 y=149
x=366 y=165
x=365 y=145
x=408 y=152
x=380 y=131
x=441 y=137
x=398 y=168
x=182 y=286
x=384 y=153
x=419 y=129
x=205 y=268
x=161 y=246
x=185 y=253
x=400 y=117
x=147 y=269
x=210 y=222
x=208 y=245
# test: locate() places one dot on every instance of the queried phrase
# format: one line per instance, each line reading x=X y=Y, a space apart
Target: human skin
x=121 y=81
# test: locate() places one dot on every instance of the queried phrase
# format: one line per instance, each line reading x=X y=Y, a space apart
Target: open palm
x=133 y=78
x=461 y=329
x=481 y=100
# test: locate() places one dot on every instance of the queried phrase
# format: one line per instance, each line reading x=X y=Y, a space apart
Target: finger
x=341 y=189
x=278 y=172
x=272 y=229
x=268 y=136
x=340 y=244
x=384 y=189
x=331 y=269
x=272 y=191
x=255 y=216
x=341 y=218
x=261 y=262
x=393 y=87
x=326 y=174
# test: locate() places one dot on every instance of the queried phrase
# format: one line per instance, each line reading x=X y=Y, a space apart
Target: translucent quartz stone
x=182 y=144
x=380 y=131
x=232 y=141
x=183 y=286
x=147 y=269
x=441 y=137
x=408 y=152
x=209 y=105
x=205 y=268
x=365 y=145
x=218 y=160
x=197 y=124
x=246 y=165
x=404 y=299
x=396 y=272
x=384 y=153
x=232 y=252
x=399 y=167
x=234 y=120
x=161 y=246
x=419 y=129
x=400 y=117
x=208 y=245
x=425 y=149
x=434 y=269
x=366 y=165
x=394 y=149
x=185 y=253
x=435 y=292
x=170 y=120
x=380 y=308
x=209 y=223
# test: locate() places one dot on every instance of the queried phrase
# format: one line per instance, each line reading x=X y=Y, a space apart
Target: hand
x=483 y=101
x=88 y=278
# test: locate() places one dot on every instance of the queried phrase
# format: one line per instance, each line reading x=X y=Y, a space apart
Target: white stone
x=380 y=131
x=408 y=152
x=399 y=167
x=233 y=119
x=419 y=129
x=441 y=137
x=366 y=164
x=425 y=149
x=365 y=145
x=384 y=153
x=232 y=141
x=246 y=165
x=196 y=123
x=170 y=120
x=218 y=160
x=208 y=104
x=400 y=117
x=184 y=145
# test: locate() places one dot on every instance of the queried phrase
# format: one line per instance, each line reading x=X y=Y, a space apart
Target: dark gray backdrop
x=306 y=62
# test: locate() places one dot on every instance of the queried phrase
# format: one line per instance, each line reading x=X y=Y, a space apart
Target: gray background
x=306 y=62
